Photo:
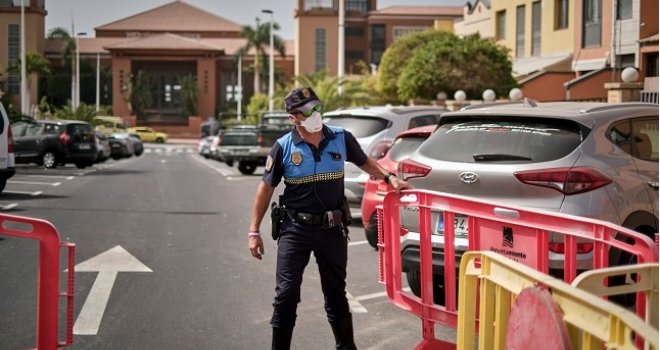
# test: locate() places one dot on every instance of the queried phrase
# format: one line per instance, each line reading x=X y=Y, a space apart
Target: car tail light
x=10 y=141
x=565 y=180
x=380 y=149
x=558 y=247
x=65 y=138
x=409 y=169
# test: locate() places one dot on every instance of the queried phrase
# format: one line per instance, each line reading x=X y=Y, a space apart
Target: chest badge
x=296 y=158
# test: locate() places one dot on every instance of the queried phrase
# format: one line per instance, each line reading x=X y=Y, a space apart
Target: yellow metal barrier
x=592 y=322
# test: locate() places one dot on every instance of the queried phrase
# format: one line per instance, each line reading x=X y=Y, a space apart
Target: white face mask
x=313 y=123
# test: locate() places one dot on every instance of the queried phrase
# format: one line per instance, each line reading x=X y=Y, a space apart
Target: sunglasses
x=318 y=108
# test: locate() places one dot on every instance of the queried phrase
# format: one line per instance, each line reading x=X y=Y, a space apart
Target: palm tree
x=34 y=64
x=258 y=38
x=326 y=88
x=69 y=48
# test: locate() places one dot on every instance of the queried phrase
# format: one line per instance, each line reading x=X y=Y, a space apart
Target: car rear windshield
x=359 y=126
x=503 y=140
x=403 y=147
x=80 y=132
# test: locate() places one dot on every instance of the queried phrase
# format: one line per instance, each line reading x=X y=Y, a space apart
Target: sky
x=88 y=14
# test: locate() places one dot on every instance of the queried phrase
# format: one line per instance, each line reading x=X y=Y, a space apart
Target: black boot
x=343 y=331
x=282 y=338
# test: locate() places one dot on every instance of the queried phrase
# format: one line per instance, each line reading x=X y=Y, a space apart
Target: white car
x=7 y=160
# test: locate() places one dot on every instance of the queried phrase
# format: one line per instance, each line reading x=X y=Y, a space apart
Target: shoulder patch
x=269 y=163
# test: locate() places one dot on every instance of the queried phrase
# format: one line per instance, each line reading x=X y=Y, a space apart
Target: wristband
x=387 y=177
x=254 y=234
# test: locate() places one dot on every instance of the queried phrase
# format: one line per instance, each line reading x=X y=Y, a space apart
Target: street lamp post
x=98 y=81
x=77 y=98
x=271 y=71
x=24 y=92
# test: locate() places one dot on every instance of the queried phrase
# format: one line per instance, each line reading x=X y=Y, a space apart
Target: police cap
x=301 y=99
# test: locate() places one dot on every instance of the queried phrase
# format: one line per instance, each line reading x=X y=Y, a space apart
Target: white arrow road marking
x=34 y=194
x=9 y=206
x=350 y=244
x=53 y=176
x=107 y=264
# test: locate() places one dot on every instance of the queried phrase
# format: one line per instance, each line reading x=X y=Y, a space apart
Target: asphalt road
x=167 y=232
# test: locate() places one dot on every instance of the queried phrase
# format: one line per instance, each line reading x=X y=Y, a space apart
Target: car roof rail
x=486 y=105
x=611 y=106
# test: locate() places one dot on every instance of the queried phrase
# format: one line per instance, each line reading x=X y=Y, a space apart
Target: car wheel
x=625 y=258
x=49 y=160
x=159 y=140
x=414 y=280
x=246 y=168
x=81 y=165
x=371 y=231
x=3 y=184
x=230 y=163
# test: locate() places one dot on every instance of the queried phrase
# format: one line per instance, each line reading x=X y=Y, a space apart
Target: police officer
x=310 y=159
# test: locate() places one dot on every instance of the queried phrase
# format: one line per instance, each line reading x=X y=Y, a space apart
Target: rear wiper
x=496 y=157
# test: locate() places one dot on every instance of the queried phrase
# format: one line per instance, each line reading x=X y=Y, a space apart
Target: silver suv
x=593 y=160
x=375 y=128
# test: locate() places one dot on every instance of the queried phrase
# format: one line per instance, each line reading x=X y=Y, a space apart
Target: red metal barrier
x=48 y=293
x=527 y=241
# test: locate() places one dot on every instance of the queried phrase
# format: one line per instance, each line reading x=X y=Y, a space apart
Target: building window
x=652 y=65
x=536 y=28
x=398 y=32
x=377 y=43
x=320 y=49
x=520 y=31
x=13 y=55
x=319 y=5
x=354 y=55
x=624 y=9
x=357 y=5
x=625 y=61
x=591 y=22
x=561 y=14
x=500 y=25
x=354 y=31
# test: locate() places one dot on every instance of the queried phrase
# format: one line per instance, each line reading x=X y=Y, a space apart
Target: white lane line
x=239 y=178
x=355 y=305
x=34 y=183
x=375 y=295
x=34 y=194
x=53 y=176
x=9 y=206
x=222 y=172
x=352 y=243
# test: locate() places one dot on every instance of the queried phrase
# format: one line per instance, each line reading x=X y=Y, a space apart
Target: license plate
x=84 y=146
x=460 y=225
x=242 y=151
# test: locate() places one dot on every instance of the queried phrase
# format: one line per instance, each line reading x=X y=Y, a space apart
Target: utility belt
x=327 y=220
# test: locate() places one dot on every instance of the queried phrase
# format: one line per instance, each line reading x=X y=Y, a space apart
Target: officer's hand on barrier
x=256 y=246
x=399 y=184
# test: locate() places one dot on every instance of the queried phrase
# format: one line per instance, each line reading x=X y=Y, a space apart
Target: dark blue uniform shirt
x=314 y=178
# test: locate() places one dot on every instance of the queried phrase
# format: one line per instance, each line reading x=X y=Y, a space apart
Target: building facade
x=476 y=19
x=10 y=49
x=368 y=32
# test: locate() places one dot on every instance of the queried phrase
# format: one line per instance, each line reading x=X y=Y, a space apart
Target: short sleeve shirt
x=314 y=178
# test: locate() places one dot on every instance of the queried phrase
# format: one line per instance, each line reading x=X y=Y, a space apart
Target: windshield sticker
x=503 y=128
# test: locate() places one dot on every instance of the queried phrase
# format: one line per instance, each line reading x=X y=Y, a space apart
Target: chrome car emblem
x=468 y=177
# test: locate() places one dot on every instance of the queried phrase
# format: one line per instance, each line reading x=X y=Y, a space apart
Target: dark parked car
x=54 y=142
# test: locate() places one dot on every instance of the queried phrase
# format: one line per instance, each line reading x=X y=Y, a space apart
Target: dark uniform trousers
x=294 y=247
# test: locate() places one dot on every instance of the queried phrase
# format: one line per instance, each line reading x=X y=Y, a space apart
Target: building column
x=206 y=87
x=121 y=73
